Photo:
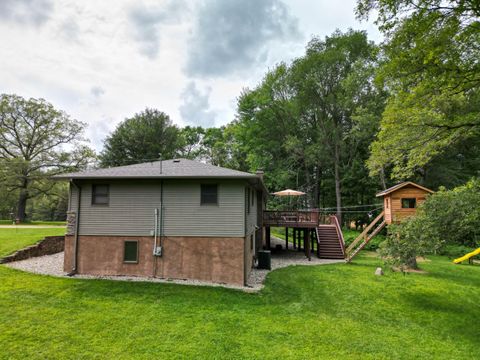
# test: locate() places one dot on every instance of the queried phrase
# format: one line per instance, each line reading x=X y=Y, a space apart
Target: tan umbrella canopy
x=288 y=192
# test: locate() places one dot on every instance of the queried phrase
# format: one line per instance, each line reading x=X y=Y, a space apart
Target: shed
x=401 y=201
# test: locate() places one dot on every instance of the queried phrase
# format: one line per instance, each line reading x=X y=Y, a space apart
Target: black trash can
x=264 y=259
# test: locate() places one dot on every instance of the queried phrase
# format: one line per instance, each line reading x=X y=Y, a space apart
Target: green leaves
x=431 y=69
x=34 y=138
x=147 y=136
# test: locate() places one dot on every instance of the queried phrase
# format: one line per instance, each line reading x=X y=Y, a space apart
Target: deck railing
x=295 y=218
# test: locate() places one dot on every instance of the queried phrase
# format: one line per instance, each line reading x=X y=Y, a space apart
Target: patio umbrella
x=288 y=192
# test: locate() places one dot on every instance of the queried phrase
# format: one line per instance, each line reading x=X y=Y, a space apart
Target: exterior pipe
x=154 y=251
x=77 y=227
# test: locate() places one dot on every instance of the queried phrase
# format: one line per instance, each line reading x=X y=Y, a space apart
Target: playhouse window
x=209 y=194
x=130 y=253
x=100 y=194
x=409 y=203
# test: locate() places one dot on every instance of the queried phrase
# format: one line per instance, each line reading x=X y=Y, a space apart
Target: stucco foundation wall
x=219 y=260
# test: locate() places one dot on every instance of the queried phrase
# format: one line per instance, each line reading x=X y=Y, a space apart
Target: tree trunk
x=338 y=194
x=316 y=189
x=22 y=201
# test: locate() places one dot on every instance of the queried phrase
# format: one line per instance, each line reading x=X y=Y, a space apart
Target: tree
x=308 y=124
x=432 y=70
x=147 y=136
x=333 y=81
x=35 y=143
x=191 y=142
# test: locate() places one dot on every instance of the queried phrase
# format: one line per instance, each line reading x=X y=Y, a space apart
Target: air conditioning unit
x=158 y=251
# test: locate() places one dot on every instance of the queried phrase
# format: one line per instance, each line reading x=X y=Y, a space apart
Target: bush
x=455 y=251
x=405 y=242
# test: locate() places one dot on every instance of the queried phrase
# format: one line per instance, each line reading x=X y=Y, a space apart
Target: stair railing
x=334 y=221
x=353 y=249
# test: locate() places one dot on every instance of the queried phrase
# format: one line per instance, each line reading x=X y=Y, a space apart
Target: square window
x=409 y=203
x=100 y=194
x=130 y=253
x=209 y=194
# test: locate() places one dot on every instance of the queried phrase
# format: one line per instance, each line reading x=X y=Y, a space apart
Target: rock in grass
x=379 y=271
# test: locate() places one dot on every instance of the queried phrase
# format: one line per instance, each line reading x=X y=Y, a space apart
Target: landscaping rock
x=379 y=271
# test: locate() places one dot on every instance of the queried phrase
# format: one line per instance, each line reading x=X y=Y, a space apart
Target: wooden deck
x=295 y=218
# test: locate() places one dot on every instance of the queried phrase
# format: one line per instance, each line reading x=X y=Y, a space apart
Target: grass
x=53 y=223
x=13 y=239
x=335 y=311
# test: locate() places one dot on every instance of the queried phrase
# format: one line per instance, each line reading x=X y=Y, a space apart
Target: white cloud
x=89 y=57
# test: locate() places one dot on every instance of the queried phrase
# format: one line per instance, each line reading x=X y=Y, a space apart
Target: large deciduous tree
x=432 y=69
x=309 y=124
x=147 y=136
x=37 y=141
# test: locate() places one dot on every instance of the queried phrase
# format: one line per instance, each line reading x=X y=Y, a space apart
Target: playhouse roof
x=402 y=185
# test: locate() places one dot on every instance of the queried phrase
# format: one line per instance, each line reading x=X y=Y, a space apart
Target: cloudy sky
x=103 y=61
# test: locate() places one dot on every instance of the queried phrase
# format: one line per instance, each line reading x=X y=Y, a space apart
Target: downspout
x=154 y=250
x=77 y=227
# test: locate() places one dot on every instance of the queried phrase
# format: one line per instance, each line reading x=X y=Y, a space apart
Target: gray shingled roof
x=177 y=168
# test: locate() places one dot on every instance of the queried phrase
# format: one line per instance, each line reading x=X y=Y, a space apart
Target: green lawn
x=55 y=223
x=334 y=311
x=14 y=239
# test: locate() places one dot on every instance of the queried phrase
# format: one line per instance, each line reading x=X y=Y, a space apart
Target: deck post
x=294 y=238
x=307 y=245
x=286 y=238
x=267 y=235
x=300 y=239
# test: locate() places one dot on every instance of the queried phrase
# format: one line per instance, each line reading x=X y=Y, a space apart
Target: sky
x=104 y=61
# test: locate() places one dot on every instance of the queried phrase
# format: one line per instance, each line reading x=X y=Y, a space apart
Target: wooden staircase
x=330 y=244
x=370 y=231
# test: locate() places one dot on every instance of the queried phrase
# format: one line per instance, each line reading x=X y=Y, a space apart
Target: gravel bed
x=53 y=265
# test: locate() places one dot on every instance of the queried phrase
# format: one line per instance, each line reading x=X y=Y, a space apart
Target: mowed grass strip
x=338 y=311
x=13 y=239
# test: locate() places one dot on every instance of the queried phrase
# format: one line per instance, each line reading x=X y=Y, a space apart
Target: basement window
x=409 y=203
x=100 y=194
x=130 y=253
x=209 y=194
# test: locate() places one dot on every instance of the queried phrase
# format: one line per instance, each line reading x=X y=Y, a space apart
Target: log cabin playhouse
x=399 y=202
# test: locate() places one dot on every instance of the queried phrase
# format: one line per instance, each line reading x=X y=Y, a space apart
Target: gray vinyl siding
x=252 y=215
x=185 y=216
x=132 y=204
x=130 y=210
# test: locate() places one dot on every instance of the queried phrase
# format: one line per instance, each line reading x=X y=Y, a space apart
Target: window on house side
x=247 y=202
x=130 y=253
x=100 y=194
x=253 y=197
x=209 y=194
x=409 y=203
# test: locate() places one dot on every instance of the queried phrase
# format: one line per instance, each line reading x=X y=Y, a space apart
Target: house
x=178 y=219
x=401 y=201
